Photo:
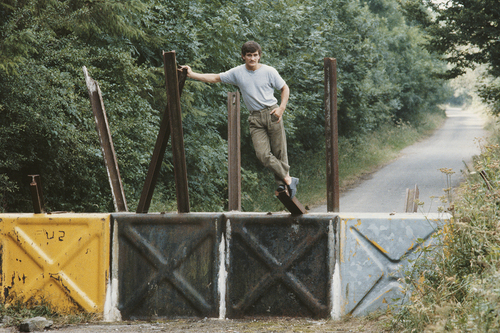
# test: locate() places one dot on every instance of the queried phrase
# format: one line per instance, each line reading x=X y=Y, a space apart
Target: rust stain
x=378 y=246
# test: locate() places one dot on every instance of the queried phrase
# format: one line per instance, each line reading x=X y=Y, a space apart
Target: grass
x=357 y=157
x=455 y=285
x=13 y=314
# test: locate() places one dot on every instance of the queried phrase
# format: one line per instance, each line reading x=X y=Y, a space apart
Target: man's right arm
x=208 y=78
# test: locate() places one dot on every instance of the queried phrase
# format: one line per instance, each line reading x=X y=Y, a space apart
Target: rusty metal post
x=174 y=110
x=158 y=154
x=107 y=147
x=233 y=148
x=36 y=194
x=155 y=165
x=331 y=133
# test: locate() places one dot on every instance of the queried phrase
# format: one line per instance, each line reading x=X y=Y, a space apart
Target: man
x=257 y=82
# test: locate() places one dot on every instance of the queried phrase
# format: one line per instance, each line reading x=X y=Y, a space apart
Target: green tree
x=467 y=33
x=46 y=125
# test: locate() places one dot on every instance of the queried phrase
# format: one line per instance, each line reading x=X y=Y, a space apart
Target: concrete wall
x=62 y=259
x=373 y=252
x=226 y=265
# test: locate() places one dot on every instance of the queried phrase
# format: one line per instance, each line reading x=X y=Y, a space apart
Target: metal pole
x=174 y=110
x=158 y=154
x=107 y=147
x=234 y=154
x=36 y=194
x=155 y=165
x=331 y=134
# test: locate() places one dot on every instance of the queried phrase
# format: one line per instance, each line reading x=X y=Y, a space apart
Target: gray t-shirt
x=257 y=87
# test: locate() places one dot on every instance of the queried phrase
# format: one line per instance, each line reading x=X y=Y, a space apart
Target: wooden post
x=158 y=154
x=411 y=205
x=108 y=150
x=174 y=110
x=234 y=153
x=331 y=134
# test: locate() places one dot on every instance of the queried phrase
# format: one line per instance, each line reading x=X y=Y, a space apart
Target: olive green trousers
x=269 y=141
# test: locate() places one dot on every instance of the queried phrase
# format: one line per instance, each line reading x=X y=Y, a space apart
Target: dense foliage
x=46 y=126
x=466 y=33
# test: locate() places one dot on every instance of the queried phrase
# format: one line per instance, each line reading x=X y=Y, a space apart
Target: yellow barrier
x=62 y=259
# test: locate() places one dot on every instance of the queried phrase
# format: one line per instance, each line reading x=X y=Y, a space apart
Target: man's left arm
x=285 y=95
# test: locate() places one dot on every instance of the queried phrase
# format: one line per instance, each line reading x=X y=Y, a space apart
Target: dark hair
x=250 y=47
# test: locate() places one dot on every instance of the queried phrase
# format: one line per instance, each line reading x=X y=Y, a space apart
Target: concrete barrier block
x=167 y=264
x=279 y=264
x=61 y=259
x=373 y=252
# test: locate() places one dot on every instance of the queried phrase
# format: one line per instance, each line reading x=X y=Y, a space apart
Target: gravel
x=228 y=325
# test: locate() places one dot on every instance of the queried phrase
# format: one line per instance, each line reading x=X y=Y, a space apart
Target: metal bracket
x=293 y=205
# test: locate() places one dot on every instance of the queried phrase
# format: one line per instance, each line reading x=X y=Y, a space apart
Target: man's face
x=251 y=59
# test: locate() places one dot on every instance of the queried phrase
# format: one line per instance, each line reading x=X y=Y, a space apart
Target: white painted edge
x=111 y=312
x=222 y=278
x=335 y=285
x=336 y=289
x=224 y=263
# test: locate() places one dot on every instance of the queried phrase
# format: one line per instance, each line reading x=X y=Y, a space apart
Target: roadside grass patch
x=457 y=287
x=13 y=314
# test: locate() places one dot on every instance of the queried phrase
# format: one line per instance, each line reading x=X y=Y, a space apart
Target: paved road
x=419 y=164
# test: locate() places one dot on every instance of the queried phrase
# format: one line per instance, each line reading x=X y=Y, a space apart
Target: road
x=451 y=145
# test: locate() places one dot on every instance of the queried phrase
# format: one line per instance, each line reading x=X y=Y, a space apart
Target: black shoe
x=292 y=188
x=281 y=188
